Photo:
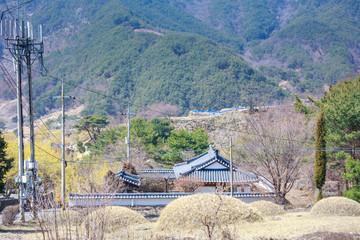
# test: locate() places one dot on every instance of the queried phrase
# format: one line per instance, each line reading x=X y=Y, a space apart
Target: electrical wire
x=118 y=159
x=93 y=91
x=117 y=99
x=302 y=148
x=13 y=86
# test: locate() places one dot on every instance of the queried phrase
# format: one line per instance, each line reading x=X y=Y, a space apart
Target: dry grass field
x=301 y=224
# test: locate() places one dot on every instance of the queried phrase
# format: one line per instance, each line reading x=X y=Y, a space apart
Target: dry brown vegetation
x=276 y=158
x=336 y=206
x=191 y=218
x=206 y=212
x=119 y=217
x=9 y=213
x=186 y=184
x=266 y=208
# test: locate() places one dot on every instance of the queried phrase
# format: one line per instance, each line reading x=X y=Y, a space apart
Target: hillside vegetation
x=186 y=52
x=128 y=55
x=309 y=43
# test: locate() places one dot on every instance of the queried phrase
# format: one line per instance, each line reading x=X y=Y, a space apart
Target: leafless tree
x=112 y=184
x=187 y=184
x=161 y=110
x=275 y=147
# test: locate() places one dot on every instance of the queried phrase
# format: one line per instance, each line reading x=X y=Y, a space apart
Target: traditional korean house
x=213 y=171
x=210 y=169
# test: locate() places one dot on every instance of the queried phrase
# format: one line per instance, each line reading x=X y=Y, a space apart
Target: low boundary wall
x=148 y=199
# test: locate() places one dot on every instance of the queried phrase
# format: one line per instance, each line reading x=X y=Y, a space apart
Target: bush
x=152 y=185
x=204 y=211
x=9 y=214
x=112 y=218
x=266 y=208
x=336 y=206
x=353 y=193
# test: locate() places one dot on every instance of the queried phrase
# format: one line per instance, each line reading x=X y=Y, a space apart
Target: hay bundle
x=111 y=218
x=336 y=206
x=202 y=210
x=266 y=208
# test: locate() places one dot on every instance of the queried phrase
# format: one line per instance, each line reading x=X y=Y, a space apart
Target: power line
x=137 y=156
x=13 y=85
x=117 y=99
x=45 y=151
x=302 y=148
x=94 y=91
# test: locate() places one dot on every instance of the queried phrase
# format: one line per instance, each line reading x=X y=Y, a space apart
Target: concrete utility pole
x=127 y=139
x=20 y=41
x=33 y=168
x=63 y=161
x=62 y=145
x=20 y=136
x=231 y=169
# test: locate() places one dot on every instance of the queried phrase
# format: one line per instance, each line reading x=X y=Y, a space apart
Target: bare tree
x=112 y=184
x=276 y=146
x=162 y=110
x=187 y=184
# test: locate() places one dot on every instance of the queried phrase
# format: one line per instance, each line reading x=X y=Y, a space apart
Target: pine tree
x=301 y=108
x=5 y=162
x=320 y=155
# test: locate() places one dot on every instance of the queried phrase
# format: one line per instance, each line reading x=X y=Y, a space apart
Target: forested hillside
x=308 y=43
x=145 y=54
x=195 y=54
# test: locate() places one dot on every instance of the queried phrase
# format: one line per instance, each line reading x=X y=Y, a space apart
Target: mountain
x=306 y=43
x=146 y=57
x=195 y=54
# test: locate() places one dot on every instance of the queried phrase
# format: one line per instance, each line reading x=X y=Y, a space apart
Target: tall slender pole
x=231 y=169
x=32 y=135
x=128 y=137
x=63 y=146
x=20 y=135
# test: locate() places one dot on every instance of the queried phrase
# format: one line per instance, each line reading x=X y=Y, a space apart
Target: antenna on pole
x=23 y=48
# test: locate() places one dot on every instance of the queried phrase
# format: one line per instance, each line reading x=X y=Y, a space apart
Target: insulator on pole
x=40 y=34
x=28 y=30
x=2 y=28
x=11 y=35
x=23 y=30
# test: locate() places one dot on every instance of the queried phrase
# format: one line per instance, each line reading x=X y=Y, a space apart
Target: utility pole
x=231 y=170
x=127 y=139
x=20 y=135
x=20 y=41
x=33 y=167
x=62 y=145
x=63 y=161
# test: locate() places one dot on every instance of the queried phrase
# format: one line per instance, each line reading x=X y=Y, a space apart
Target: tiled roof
x=223 y=176
x=198 y=168
x=157 y=195
x=157 y=173
x=127 y=177
x=199 y=162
